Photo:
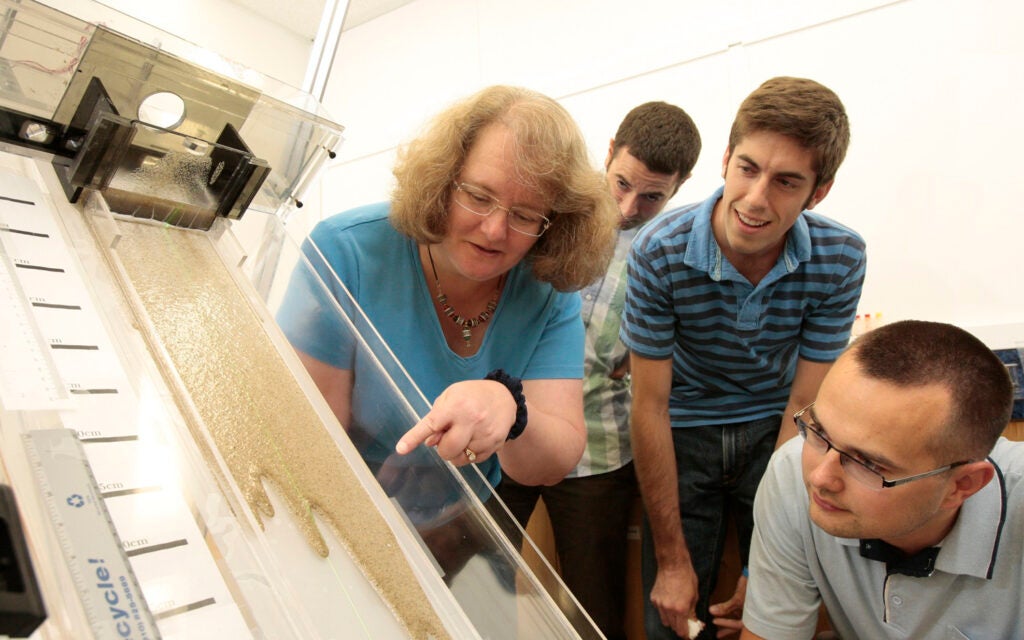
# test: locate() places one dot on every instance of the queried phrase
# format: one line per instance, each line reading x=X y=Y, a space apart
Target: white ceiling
x=303 y=16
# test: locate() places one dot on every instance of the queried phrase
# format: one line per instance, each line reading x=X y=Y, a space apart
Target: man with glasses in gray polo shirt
x=901 y=506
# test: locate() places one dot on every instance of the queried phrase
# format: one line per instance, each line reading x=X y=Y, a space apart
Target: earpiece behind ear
x=970 y=479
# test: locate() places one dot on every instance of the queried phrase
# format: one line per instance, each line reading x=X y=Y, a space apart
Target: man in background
x=901 y=506
x=651 y=155
x=736 y=308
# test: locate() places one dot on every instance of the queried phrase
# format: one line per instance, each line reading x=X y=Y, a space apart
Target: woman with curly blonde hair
x=551 y=157
x=470 y=274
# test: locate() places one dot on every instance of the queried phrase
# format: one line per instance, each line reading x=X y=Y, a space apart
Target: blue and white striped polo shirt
x=735 y=346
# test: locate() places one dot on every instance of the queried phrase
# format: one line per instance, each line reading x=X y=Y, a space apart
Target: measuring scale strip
x=58 y=351
x=88 y=386
x=188 y=596
x=109 y=592
x=27 y=376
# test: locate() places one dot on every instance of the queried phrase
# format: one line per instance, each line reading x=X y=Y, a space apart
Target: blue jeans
x=718 y=468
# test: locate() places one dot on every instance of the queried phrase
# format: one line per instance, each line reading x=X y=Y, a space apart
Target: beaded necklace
x=467 y=324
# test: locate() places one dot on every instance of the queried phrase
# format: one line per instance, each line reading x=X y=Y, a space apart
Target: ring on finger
x=470 y=454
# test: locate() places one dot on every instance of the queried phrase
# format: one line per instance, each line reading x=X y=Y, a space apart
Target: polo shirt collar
x=970 y=547
x=972 y=543
x=798 y=243
x=919 y=565
x=703 y=252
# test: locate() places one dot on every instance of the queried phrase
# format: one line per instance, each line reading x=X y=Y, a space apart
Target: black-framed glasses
x=856 y=468
x=475 y=200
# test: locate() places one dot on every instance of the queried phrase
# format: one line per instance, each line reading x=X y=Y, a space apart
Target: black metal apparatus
x=161 y=137
x=21 y=604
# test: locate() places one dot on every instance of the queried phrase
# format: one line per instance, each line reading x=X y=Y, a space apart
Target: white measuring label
x=28 y=379
x=110 y=594
x=27 y=376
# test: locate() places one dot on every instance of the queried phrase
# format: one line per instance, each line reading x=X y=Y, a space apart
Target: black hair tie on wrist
x=515 y=387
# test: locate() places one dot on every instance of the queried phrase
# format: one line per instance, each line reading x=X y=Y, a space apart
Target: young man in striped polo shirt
x=735 y=309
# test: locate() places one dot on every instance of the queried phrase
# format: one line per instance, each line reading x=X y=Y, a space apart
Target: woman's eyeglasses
x=476 y=200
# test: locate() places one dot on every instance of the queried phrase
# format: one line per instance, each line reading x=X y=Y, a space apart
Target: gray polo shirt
x=976 y=590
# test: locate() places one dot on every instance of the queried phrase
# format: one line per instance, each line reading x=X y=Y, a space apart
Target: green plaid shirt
x=606 y=401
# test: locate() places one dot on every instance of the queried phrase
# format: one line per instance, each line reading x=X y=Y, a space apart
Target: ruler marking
x=52 y=305
x=153 y=548
x=120 y=493
x=110 y=439
x=76 y=347
x=25 y=232
x=18 y=200
x=199 y=604
x=37 y=267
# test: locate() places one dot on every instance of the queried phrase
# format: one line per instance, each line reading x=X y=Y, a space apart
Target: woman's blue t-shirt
x=535 y=332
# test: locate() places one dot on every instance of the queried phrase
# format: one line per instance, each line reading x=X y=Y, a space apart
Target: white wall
x=931 y=87
x=221 y=26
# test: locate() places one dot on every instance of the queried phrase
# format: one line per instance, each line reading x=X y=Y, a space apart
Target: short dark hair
x=915 y=353
x=802 y=109
x=662 y=136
